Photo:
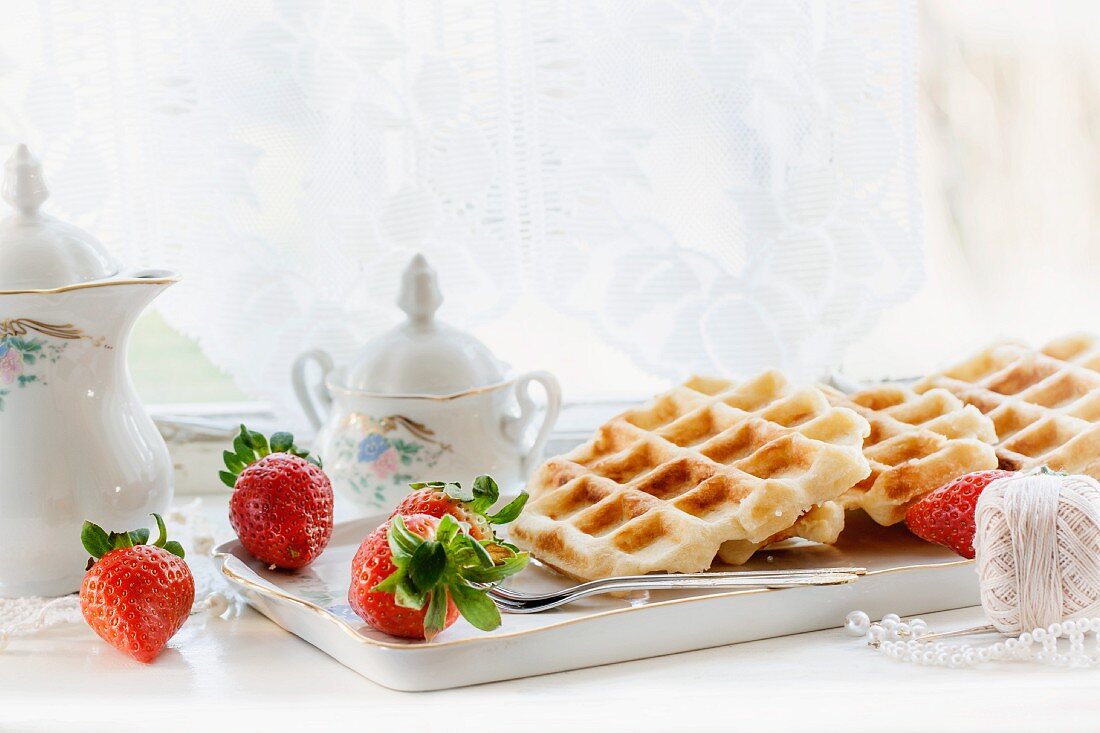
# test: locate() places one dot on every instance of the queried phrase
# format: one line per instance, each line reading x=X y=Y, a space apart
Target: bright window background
x=1010 y=173
x=1011 y=180
x=1010 y=169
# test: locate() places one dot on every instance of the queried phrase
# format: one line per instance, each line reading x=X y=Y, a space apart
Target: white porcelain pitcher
x=75 y=441
x=423 y=402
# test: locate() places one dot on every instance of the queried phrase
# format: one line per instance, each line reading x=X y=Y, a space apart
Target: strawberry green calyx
x=98 y=542
x=479 y=498
x=250 y=446
x=449 y=564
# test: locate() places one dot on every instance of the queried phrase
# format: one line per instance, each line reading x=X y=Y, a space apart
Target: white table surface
x=245 y=673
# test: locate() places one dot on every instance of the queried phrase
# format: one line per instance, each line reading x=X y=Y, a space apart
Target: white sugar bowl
x=422 y=402
x=75 y=441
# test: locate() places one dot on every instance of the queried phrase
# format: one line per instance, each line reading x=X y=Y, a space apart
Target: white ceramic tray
x=906 y=576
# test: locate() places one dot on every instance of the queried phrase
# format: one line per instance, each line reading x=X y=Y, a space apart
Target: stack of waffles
x=917 y=443
x=712 y=468
x=1044 y=403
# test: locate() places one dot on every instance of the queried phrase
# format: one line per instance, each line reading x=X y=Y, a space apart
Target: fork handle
x=535 y=604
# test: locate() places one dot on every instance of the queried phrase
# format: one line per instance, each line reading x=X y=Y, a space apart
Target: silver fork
x=512 y=601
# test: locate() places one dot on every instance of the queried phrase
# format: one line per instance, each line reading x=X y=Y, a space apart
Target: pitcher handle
x=527 y=411
x=311 y=397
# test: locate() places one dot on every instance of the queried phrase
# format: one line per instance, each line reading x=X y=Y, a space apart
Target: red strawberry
x=414 y=575
x=281 y=508
x=946 y=516
x=135 y=596
x=437 y=499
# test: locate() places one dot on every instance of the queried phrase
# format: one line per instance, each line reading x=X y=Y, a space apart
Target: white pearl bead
x=876 y=635
x=891 y=617
x=1082 y=625
x=983 y=655
x=918 y=627
x=1025 y=638
x=1011 y=644
x=1039 y=635
x=889 y=624
x=1055 y=630
x=1094 y=624
x=998 y=649
x=903 y=630
x=856 y=623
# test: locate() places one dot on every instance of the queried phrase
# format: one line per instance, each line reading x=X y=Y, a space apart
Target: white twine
x=1037 y=545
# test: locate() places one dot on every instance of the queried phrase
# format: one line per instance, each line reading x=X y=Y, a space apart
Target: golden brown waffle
x=1044 y=404
x=662 y=487
x=822 y=523
x=917 y=443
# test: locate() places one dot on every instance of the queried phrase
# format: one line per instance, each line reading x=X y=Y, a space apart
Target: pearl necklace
x=911 y=641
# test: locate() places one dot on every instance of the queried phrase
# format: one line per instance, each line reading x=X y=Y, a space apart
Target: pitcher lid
x=38 y=251
x=423 y=355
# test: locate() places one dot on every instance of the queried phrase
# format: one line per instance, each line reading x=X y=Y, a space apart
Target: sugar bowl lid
x=38 y=251
x=423 y=356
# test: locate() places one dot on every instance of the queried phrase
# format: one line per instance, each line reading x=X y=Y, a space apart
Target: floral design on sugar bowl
x=25 y=346
x=381 y=453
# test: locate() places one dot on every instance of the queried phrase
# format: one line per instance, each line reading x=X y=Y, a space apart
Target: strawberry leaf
x=244 y=452
x=403 y=543
x=475 y=606
x=258 y=443
x=505 y=568
x=232 y=462
x=485 y=493
x=139 y=536
x=448 y=529
x=427 y=565
x=174 y=547
x=249 y=446
x=408 y=596
x=162 y=532
x=456 y=492
x=509 y=511
x=95 y=539
x=120 y=540
x=389 y=585
x=281 y=442
x=436 y=617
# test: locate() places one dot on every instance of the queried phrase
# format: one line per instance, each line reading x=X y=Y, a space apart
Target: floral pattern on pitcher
x=381 y=461
x=21 y=353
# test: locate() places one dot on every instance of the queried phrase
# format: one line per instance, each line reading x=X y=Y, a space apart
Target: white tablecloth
x=245 y=673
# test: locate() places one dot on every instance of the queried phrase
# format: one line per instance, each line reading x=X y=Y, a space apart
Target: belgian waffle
x=1044 y=404
x=661 y=488
x=917 y=443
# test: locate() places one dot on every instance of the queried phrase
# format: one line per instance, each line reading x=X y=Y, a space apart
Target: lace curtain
x=620 y=191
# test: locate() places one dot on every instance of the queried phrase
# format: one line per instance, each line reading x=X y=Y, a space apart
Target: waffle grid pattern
x=1044 y=404
x=917 y=443
x=662 y=487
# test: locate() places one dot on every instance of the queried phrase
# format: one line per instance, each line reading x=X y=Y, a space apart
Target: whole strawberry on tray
x=136 y=596
x=946 y=515
x=469 y=506
x=281 y=507
x=414 y=575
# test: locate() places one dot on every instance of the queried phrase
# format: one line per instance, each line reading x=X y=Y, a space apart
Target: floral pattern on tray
x=384 y=459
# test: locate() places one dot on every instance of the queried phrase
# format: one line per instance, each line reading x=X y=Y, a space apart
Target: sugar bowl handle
x=312 y=397
x=515 y=427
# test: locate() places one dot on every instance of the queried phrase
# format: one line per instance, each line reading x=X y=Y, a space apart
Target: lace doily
x=26 y=616
x=664 y=186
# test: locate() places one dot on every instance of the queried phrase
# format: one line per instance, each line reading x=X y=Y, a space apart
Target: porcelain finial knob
x=24 y=186
x=420 y=297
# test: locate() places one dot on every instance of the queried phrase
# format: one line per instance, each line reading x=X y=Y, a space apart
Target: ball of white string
x=1037 y=546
